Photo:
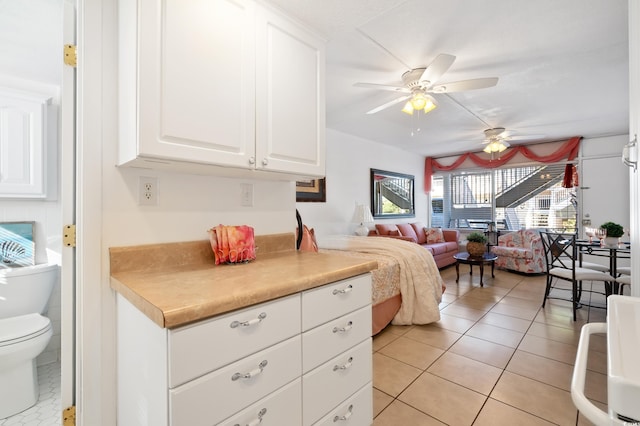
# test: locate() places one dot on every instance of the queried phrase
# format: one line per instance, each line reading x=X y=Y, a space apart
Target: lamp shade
x=362 y=215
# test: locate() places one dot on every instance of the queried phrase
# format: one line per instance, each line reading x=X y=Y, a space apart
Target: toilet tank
x=26 y=289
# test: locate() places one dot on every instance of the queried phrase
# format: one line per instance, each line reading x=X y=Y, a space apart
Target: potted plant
x=476 y=244
x=614 y=231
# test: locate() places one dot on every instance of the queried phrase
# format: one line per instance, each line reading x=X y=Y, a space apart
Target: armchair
x=520 y=251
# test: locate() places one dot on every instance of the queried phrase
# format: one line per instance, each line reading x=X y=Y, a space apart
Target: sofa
x=520 y=251
x=441 y=243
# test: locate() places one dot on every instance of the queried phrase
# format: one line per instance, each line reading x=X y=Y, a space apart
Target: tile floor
x=495 y=358
x=47 y=411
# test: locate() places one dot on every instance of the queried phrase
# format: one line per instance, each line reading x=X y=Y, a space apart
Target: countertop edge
x=128 y=284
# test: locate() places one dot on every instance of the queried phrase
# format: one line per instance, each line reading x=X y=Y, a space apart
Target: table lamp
x=362 y=216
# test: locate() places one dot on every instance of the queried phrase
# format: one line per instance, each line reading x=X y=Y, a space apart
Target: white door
x=67 y=196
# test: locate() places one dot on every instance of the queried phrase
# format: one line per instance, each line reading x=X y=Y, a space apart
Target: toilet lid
x=23 y=327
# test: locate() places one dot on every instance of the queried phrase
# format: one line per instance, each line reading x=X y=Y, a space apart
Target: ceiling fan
x=419 y=82
x=496 y=139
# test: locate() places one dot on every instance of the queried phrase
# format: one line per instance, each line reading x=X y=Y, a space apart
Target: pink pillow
x=384 y=229
x=418 y=227
x=407 y=231
x=434 y=235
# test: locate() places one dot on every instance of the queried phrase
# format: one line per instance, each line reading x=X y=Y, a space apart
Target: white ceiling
x=562 y=67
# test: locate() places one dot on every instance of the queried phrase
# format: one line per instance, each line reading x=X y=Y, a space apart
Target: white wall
x=604 y=181
x=31 y=39
x=349 y=160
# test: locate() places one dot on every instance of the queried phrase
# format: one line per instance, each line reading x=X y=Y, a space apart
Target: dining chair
x=562 y=262
x=622 y=281
x=624 y=270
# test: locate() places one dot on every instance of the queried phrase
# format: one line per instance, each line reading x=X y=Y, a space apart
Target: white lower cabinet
x=282 y=407
x=328 y=385
x=197 y=403
x=256 y=365
x=355 y=410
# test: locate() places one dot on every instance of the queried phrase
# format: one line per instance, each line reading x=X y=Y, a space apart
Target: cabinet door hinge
x=70 y=55
x=69 y=236
x=69 y=416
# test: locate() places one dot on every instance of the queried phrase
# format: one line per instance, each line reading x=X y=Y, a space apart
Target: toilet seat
x=24 y=327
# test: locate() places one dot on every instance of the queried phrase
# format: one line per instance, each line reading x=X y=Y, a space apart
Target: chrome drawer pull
x=256 y=422
x=249 y=323
x=345 y=290
x=346 y=416
x=343 y=329
x=344 y=366
x=251 y=373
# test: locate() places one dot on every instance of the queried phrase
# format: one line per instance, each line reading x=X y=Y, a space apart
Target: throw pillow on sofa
x=434 y=235
x=418 y=227
x=384 y=229
x=407 y=231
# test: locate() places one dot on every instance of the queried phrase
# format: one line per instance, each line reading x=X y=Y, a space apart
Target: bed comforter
x=419 y=278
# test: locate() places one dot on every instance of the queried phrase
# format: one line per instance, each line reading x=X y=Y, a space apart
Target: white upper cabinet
x=226 y=83
x=28 y=143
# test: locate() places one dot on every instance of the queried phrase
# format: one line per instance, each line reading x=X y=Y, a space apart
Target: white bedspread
x=420 y=281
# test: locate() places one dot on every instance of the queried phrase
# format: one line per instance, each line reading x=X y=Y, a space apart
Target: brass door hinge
x=69 y=416
x=70 y=55
x=69 y=236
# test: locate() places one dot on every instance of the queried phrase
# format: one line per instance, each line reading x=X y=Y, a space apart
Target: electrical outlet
x=148 y=191
x=246 y=195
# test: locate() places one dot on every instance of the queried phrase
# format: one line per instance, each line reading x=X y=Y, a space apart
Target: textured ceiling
x=562 y=67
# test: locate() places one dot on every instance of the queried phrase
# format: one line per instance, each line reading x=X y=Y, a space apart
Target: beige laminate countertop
x=190 y=288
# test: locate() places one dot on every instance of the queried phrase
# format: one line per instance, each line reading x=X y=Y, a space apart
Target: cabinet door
x=193 y=69
x=27 y=141
x=290 y=98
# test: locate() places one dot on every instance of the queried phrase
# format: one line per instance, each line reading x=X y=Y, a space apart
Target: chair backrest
x=560 y=250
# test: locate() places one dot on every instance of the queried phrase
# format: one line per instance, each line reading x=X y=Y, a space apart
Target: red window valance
x=568 y=150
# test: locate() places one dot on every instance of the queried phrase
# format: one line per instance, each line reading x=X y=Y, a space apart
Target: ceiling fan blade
x=525 y=137
x=388 y=104
x=383 y=87
x=461 y=86
x=439 y=66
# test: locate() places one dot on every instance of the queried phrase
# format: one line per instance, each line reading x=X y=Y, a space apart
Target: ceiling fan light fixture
x=430 y=106
x=419 y=102
x=408 y=108
x=494 y=146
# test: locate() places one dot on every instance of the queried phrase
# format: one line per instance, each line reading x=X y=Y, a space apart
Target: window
x=513 y=198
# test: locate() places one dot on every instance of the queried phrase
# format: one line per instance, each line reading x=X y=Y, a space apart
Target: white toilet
x=24 y=332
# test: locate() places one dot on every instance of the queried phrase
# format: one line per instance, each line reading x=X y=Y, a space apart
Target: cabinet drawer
x=203 y=347
x=217 y=395
x=332 y=301
x=328 y=385
x=357 y=410
x=329 y=339
x=282 y=407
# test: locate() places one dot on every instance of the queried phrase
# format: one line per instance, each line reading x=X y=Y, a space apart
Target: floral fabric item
x=434 y=235
x=232 y=244
x=520 y=251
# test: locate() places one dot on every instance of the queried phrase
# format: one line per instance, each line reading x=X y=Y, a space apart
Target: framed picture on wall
x=313 y=190
x=16 y=243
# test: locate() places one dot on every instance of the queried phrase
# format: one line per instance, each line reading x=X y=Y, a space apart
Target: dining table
x=622 y=250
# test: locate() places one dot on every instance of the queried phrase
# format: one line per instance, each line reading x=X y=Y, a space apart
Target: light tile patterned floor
x=47 y=411
x=495 y=357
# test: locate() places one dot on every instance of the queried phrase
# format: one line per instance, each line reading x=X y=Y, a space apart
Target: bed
x=406 y=286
